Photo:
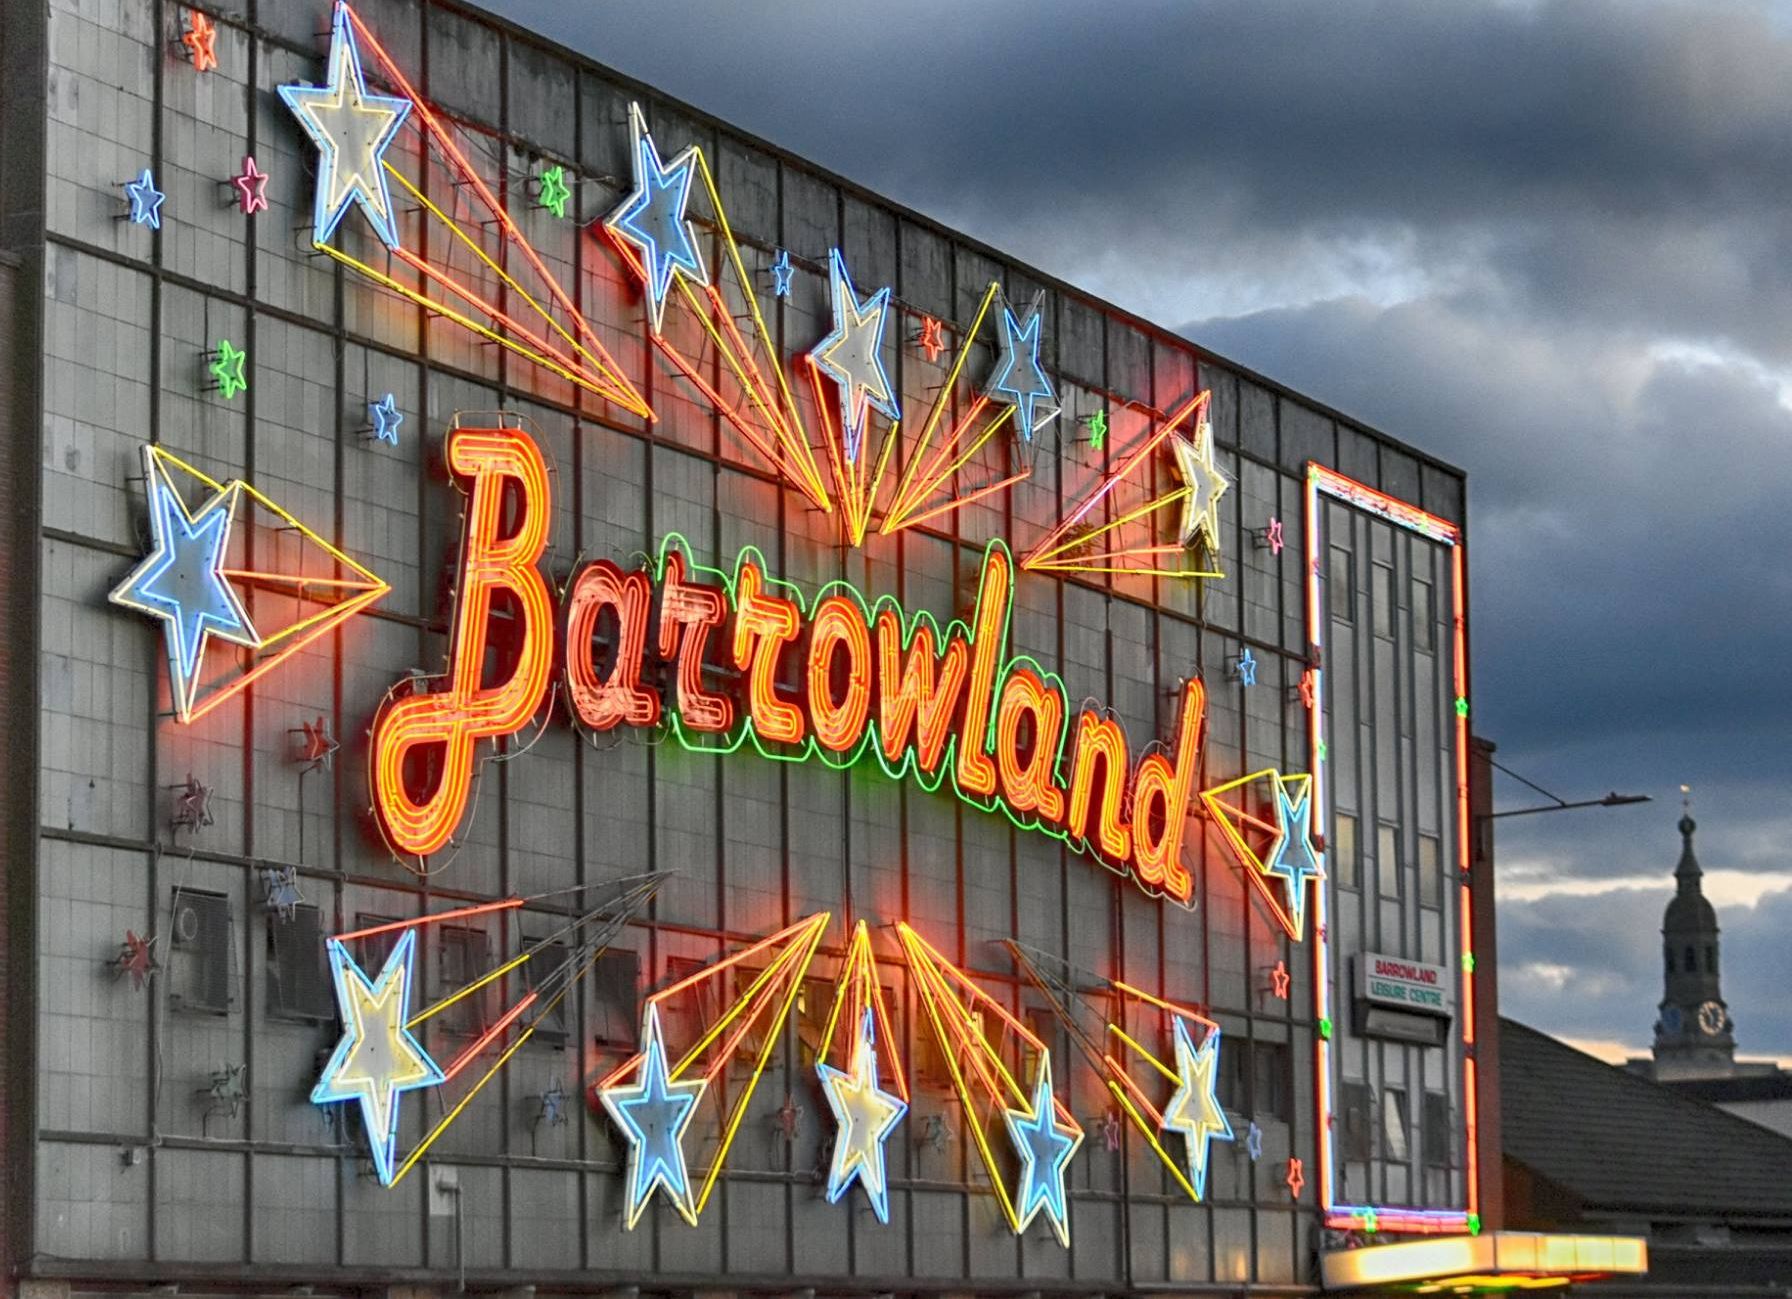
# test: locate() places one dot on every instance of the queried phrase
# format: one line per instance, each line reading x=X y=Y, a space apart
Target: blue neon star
x=1019 y=379
x=351 y=129
x=1293 y=858
x=866 y=1115
x=1253 y=1141
x=853 y=356
x=181 y=581
x=653 y=218
x=377 y=1059
x=781 y=273
x=1045 y=1147
x=1247 y=667
x=386 y=419
x=146 y=200
x=1195 y=1109
x=653 y=1113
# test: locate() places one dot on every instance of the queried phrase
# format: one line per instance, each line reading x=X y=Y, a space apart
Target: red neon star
x=933 y=340
x=1297 y=1178
x=318 y=746
x=1306 y=688
x=201 y=40
x=136 y=959
x=1274 y=536
x=1278 y=981
x=251 y=187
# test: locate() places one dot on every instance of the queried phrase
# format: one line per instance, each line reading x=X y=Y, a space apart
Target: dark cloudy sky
x=1550 y=241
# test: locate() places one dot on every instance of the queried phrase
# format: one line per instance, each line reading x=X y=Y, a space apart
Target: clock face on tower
x=1711 y=1018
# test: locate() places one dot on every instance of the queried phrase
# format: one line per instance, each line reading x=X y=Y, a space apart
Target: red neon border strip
x=1328 y=482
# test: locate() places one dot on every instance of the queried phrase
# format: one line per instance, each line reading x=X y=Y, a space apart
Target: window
x=1272 y=1082
x=1393 y=1125
x=1424 y=617
x=298 y=987
x=1340 y=585
x=1431 y=878
x=546 y=972
x=1667 y=955
x=1234 y=1088
x=615 y=985
x=1343 y=851
x=461 y=959
x=1692 y=960
x=202 y=974
x=1387 y=860
x=1358 y=1136
x=1440 y=1141
x=1711 y=960
x=1382 y=592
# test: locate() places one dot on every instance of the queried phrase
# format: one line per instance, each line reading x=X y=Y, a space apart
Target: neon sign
x=745 y=658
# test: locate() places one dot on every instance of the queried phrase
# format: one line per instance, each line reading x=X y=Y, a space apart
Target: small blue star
x=181 y=581
x=1247 y=667
x=653 y=219
x=653 y=1113
x=781 y=273
x=1019 y=379
x=1045 y=1147
x=1293 y=858
x=146 y=200
x=386 y=419
x=1253 y=1141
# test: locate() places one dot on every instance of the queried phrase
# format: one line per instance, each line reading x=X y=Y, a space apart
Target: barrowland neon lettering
x=830 y=678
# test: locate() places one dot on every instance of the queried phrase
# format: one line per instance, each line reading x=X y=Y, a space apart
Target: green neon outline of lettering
x=908 y=766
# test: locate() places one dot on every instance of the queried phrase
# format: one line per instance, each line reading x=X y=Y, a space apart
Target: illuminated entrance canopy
x=723 y=659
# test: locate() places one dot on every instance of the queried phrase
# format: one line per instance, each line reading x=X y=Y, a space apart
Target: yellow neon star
x=866 y=1115
x=1206 y=484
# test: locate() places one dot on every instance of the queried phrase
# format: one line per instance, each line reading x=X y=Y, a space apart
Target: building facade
x=597 y=706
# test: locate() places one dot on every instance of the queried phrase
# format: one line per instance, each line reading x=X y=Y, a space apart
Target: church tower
x=1694 y=1036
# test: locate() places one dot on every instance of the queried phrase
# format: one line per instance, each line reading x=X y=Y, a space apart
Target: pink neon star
x=1274 y=536
x=1278 y=979
x=1297 y=1178
x=252 y=188
x=1306 y=688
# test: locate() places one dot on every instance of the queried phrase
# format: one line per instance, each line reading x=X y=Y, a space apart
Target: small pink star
x=932 y=339
x=252 y=188
x=1278 y=980
x=1274 y=536
x=1306 y=688
x=1297 y=1178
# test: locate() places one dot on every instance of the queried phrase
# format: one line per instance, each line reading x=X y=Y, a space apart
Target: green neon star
x=1371 y=1224
x=1098 y=430
x=227 y=368
x=1474 y=1224
x=1468 y=962
x=1325 y=1027
x=554 y=191
x=1462 y=705
x=1322 y=750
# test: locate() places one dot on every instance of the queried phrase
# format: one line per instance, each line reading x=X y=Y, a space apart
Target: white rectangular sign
x=1396 y=982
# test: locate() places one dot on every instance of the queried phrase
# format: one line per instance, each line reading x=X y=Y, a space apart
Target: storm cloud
x=1550 y=241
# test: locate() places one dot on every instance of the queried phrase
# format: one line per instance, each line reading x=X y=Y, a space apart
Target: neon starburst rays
x=657 y=1088
x=1126 y=541
x=485 y=276
x=1040 y=1131
x=1279 y=850
x=864 y=1112
x=194 y=583
x=1192 y=1113
x=735 y=365
x=352 y=129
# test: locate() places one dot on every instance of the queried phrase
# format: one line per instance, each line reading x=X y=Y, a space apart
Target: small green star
x=1474 y=1224
x=227 y=368
x=1098 y=429
x=1371 y=1223
x=1325 y=1027
x=1462 y=705
x=1323 y=750
x=1468 y=962
x=554 y=191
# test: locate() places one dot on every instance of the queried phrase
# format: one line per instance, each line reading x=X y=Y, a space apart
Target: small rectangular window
x=202 y=973
x=1340 y=585
x=545 y=972
x=1382 y=594
x=1424 y=617
x=1393 y=1125
x=615 y=992
x=298 y=986
x=1272 y=1082
x=1341 y=858
x=1357 y=1138
x=461 y=959
x=1387 y=860
x=1440 y=1141
x=1234 y=1088
x=1431 y=872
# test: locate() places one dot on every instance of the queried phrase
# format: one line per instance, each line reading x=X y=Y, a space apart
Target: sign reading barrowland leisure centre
x=996 y=515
